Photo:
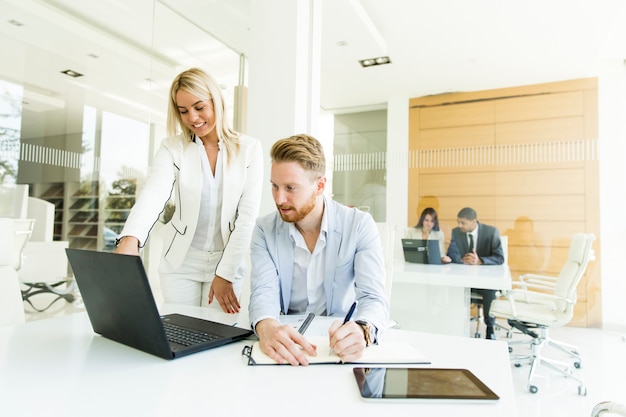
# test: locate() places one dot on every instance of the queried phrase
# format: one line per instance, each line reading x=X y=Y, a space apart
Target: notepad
x=308 y=324
x=384 y=353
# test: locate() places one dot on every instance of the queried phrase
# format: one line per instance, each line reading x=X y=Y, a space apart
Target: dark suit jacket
x=489 y=247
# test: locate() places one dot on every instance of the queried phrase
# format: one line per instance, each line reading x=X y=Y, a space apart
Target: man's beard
x=297 y=215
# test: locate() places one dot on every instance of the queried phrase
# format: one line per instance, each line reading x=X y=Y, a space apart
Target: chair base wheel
x=533 y=389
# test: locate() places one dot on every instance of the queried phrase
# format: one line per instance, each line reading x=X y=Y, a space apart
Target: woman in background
x=215 y=175
x=427 y=228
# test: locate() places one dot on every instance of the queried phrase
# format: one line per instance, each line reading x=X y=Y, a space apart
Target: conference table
x=436 y=298
x=59 y=367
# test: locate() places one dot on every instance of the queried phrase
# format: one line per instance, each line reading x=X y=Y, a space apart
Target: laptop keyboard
x=186 y=337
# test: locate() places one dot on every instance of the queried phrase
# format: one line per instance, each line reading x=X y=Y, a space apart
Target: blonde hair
x=303 y=149
x=197 y=82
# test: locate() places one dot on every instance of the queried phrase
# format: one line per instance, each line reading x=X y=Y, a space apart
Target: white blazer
x=176 y=167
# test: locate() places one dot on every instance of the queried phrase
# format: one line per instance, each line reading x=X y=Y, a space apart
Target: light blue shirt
x=307 y=291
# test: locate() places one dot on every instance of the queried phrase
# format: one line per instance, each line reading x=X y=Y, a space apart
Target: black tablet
x=424 y=383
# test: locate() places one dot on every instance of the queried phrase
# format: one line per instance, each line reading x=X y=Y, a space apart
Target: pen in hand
x=347 y=318
x=350 y=313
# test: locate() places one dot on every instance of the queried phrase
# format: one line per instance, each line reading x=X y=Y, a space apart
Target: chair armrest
x=533 y=297
x=526 y=285
x=539 y=279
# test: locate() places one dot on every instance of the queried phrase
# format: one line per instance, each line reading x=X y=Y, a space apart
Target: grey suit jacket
x=489 y=248
x=176 y=168
x=354 y=267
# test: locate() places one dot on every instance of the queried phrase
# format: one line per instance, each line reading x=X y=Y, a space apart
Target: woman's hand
x=129 y=245
x=222 y=291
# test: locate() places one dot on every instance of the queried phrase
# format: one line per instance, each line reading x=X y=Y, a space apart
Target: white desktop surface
x=59 y=367
x=436 y=298
x=495 y=277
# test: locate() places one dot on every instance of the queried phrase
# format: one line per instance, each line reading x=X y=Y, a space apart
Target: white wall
x=612 y=167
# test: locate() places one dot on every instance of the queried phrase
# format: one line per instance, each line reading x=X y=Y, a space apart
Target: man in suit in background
x=474 y=243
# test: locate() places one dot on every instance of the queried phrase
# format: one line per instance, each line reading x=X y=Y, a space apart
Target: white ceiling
x=436 y=46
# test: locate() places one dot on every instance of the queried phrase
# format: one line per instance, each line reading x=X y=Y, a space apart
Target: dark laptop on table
x=421 y=251
x=121 y=307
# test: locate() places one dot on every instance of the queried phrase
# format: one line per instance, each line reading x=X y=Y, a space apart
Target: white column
x=397 y=167
x=283 y=80
x=612 y=154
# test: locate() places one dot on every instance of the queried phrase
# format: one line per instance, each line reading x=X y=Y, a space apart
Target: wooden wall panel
x=542 y=207
x=583 y=84
x=456 y=137
x=465 y=114
x=526 y=159
x=540 y=182
x=544 y=230
x=414 y=128
x=461 y=184
x=537 y=131
x=540 y=107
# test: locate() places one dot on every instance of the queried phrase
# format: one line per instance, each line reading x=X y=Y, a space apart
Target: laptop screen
x=421 y=251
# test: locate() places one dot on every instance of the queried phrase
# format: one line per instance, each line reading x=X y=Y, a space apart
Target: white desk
x=436 y=298
x=59 y=368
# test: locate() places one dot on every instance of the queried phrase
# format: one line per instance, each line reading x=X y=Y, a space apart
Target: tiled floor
x=603 y=369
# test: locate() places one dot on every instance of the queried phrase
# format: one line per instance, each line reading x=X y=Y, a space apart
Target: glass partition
x=83 y=100
x=360 y=153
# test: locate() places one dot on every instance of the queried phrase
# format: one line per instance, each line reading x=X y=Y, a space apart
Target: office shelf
x=85 y=216
x=55 y=194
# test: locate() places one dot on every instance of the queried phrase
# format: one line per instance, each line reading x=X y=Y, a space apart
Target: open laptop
x=421 y=251
x=121 y=307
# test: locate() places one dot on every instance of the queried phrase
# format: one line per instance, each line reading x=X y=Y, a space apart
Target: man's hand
x=222 y=290
x=347 y=340
x=471 y=258
x=283 y=343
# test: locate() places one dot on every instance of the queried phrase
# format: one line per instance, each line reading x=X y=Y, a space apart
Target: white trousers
x=190 y=284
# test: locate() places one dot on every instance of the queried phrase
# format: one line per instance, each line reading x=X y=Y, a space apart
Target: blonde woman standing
x=214 y=175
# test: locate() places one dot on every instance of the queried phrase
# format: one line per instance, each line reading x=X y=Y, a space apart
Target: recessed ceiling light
x=72 y=73
x=381 y=60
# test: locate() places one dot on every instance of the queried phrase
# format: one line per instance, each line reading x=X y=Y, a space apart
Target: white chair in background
x=607 y=408
x=11 y=305
x=538 y=303
x=13 y=200
x=42 y=212
x=45 y=272
x=14 y=205
x=40 y=262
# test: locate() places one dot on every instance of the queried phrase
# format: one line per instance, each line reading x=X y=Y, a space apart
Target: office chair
x=542 y=302
x=609 y=407
x=44 y=272
x=476 y=299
